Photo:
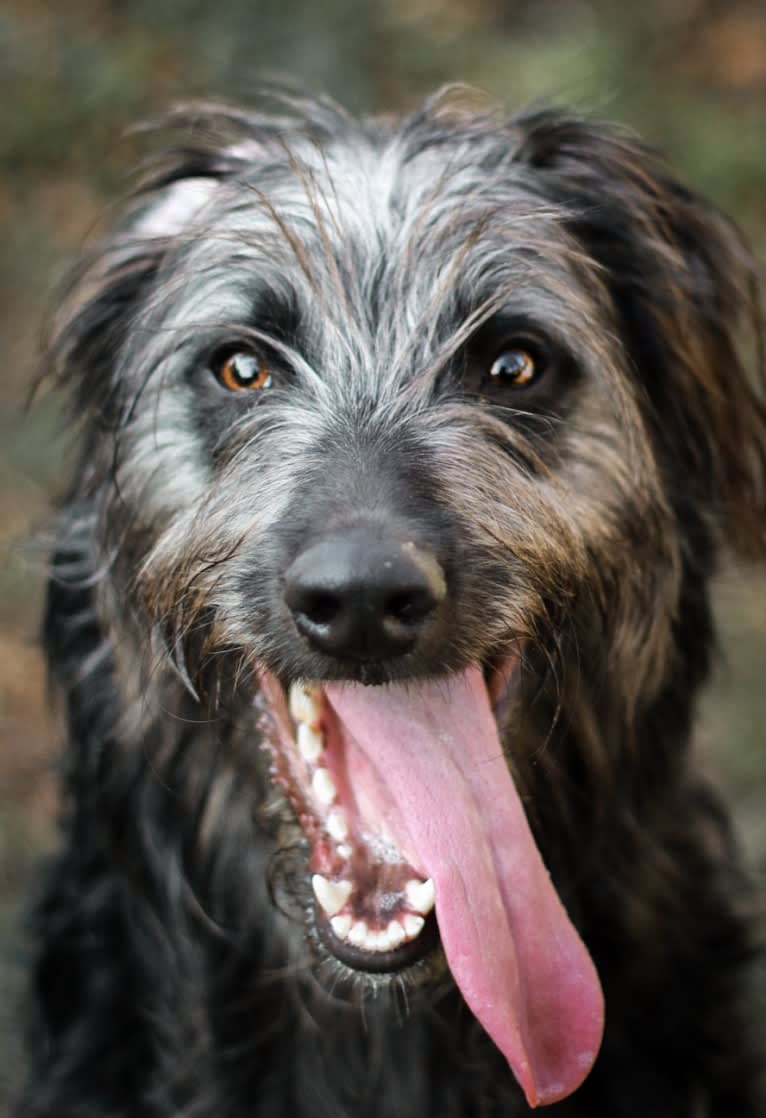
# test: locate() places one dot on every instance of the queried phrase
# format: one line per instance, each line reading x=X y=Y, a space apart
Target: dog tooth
x=336 y=825
x=332 y=895
x=396 y=933
x=310 y=743
x=341 y=925
x=380 y=941
x=345 y=850
x=413 y=925
x=358 y=934
x=420 y=895
x=303 y=704
x=324 y=786
x=393 y=935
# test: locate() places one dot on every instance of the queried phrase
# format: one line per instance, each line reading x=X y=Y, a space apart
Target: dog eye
x=241 y=371
x=502 y=363
x=514 y=368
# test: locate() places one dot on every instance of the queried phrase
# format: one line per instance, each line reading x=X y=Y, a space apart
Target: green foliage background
x=74 y=74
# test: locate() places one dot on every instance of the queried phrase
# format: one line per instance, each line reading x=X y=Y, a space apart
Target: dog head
x=415 y=442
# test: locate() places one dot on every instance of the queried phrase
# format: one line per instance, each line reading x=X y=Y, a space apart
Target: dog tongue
x=452 y=807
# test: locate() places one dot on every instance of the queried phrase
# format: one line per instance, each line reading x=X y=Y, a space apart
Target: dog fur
x=378 y=265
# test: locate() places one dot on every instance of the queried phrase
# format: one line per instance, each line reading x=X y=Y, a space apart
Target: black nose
x=364 y=595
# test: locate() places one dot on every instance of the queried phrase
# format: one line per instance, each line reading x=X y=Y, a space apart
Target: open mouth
x=413 y=821
x=374 y=908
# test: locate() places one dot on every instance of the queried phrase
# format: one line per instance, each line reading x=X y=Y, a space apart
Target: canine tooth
x=310 y=743
x=413 y=925
x=324 y=786
x=420 y=895
x=396 y=933
x=332 y=895
x=336 y=824
x=345 y=850
x=341 y=925
x=302 y=703
x=358 y=934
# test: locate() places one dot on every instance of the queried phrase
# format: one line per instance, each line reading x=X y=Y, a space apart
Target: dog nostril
x=319 y=606
x=410 y=607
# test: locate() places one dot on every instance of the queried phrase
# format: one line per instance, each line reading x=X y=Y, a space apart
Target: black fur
x=178 y=970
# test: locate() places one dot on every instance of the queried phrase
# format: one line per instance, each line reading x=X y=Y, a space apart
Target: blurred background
x=74 y=74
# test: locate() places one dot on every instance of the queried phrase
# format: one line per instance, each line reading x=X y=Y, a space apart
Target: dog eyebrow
x=278 y=314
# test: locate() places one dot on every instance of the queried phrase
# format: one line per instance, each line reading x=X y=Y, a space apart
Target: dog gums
x=380 y=606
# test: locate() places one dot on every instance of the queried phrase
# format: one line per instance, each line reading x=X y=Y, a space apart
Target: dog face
x=408 y=445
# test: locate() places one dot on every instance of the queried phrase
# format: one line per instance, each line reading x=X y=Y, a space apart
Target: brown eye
x=241 y=371
x=513 y=368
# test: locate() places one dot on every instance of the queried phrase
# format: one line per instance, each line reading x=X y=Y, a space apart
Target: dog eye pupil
x=241 y=371
x=514 y=367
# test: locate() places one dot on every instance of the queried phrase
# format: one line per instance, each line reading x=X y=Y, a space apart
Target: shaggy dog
x=380 y=604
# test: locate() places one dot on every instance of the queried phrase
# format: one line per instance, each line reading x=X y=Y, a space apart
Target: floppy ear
x=108 y=287
x=107 y=290
x=686 y=292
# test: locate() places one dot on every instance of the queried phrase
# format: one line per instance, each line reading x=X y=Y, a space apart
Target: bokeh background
x=74 y=74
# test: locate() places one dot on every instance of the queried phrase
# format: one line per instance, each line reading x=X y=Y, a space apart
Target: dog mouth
x=373 y=906
x=414 y=822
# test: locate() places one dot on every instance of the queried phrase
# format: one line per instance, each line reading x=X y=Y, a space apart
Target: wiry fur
x=178 y=970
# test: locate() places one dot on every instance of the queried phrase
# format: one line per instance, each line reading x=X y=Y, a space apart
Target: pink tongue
x=512 y=950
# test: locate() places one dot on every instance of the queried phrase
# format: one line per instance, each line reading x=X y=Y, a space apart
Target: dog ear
x=107 y=289
x=686 y=291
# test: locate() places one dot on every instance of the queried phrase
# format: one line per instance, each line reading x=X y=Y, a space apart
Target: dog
x=380 y=606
